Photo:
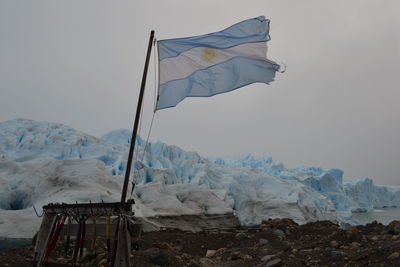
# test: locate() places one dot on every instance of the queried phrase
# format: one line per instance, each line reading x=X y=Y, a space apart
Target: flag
x=214 y=63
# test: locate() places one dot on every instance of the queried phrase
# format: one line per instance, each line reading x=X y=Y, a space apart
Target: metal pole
x=135 y=127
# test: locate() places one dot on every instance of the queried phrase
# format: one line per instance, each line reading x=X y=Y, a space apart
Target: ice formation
x=347 y=195
x=42 y=162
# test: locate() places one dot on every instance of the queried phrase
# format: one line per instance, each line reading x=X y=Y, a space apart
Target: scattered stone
x=178 y=248
x=246 y=257
x=334 y=244
x=353 y=233
x=267 y=258
x=394 y=227
x=103 y=262
x=274 y=262
x=241 y=236
x=279 y=233
x=206 y=262
x=210 y=253
x=337 y=255
x=157 y=256
x=274 y=223
x=101 y=256
x=311 y=244
x=62 y=260
x=393 y=256
x=238 y=256
x=235 y=256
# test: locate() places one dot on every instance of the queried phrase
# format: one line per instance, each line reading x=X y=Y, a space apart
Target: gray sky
x=80 y=63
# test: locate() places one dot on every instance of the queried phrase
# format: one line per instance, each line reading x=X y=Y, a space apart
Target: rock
x=353 y=233
x=394 y=227
x=355 y=245
x=101 y=256
x=393 y=256
x=210 y=253
x=337 y=255
x=62 y=260
x=178 y=248
x=206 y=262
x=375 y=238
x=274 y=223
x=266 y=251
x=279 y=233
x=334 y=244
x=103 y=262
x=157 y=256
x=221 y=250
x=241 y=236
x=275 y=262
x=282 y=226
x=268 y=258
x=235 y=256
x=246 y=257
x=263 y=241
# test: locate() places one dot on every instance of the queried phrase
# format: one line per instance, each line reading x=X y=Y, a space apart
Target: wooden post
x=137 y=118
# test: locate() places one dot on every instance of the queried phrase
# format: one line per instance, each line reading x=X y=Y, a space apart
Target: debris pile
x=277 y=242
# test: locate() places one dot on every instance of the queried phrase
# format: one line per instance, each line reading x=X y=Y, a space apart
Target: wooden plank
x=86 y=209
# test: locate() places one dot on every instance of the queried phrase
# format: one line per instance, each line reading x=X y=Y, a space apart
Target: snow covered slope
x=43 y=162
x=42 y=181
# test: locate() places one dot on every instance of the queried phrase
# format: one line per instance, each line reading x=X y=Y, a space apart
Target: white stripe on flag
x=198 y=58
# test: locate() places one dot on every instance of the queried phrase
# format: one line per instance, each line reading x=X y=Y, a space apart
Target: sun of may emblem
x=209 y=53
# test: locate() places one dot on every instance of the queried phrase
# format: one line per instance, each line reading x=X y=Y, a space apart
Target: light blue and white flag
x=214 y=63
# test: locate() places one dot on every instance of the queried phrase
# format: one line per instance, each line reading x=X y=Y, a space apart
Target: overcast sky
x=80 y=63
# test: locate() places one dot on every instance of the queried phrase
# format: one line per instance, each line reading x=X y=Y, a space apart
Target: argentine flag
x=214 y=63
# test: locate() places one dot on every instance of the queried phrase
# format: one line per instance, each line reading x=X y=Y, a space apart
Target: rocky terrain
x=278 y=242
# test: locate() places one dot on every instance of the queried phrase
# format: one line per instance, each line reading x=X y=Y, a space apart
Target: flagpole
x=137 y=118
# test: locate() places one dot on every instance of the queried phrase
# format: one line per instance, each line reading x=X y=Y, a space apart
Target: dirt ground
x=278 y=242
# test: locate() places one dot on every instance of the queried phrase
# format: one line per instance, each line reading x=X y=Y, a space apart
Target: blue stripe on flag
x=248 y=31
x=221 y=78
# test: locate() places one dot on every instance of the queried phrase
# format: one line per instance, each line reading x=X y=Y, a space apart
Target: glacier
x=347 y=195
x=43 y=162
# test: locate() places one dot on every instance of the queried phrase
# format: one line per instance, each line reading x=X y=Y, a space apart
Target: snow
x=41 y=181
x=42 y=162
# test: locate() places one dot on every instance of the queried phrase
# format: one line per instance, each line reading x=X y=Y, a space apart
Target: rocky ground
x=278 y=242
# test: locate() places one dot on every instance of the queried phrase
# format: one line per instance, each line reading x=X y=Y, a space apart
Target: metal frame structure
x=56 y=214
